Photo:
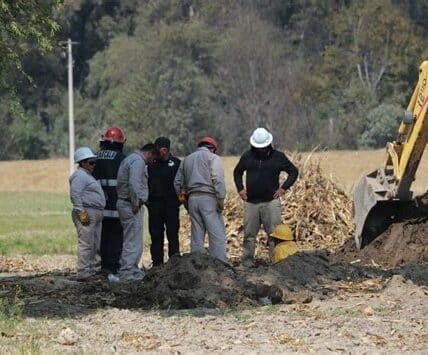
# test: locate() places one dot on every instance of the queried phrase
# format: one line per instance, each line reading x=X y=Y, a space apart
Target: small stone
x=307 y=299
x=265 y=301
x=369 y=311
x=68 y=337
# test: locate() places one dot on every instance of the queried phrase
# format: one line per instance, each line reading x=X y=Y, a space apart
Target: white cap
x=261 y=138
x=83 y=153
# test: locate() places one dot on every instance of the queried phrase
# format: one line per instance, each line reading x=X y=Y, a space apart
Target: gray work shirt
x=201 y=171
x=85 y=191
x=132 y=180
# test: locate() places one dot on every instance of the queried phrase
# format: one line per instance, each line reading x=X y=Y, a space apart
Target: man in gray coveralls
x=201 y=178
x=132 y=193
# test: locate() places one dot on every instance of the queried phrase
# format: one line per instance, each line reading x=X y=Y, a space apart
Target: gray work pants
x=267 y=214
x=132 y=249
x=205 y=217
x=88 y=246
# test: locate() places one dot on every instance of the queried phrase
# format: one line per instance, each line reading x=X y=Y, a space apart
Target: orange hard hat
x=113 y=134
x=210 y=141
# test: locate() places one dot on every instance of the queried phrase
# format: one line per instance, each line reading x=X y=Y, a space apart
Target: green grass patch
x=39 y=223
x=36 y=223
x=11 y=312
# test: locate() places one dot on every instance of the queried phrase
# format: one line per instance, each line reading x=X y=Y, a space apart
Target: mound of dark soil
x=315 y=268
x=402 y=243
x=200 y=281
x=190 y=281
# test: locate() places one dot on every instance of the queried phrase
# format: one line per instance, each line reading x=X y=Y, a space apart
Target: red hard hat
x=210 y=141
x=113 y=134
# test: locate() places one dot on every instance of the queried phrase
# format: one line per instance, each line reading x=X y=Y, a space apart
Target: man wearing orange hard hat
x=201 y=178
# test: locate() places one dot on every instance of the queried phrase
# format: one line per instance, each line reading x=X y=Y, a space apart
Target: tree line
x=329 y=73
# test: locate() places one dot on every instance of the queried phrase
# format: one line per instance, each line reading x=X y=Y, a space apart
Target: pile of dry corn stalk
x=318 y=212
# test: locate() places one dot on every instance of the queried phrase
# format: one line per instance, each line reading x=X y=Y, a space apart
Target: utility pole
x=70 y=106
x=71 y=147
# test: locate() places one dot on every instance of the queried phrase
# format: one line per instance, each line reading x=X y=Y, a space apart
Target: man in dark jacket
x=262 y=192
x=108 y=161
x=163 y=202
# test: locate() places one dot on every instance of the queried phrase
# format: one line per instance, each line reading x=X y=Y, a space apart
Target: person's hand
x=182 y=198
x=243 y=194
x=278 y=193
x=135 y=209
x=220 y=204
x=83 y=217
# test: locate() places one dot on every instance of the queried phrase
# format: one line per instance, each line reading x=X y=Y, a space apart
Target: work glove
x=83 y=217
x=135 y=209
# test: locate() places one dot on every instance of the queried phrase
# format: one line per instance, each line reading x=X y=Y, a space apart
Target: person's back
x=109 y=159
x=108 y=163
x=203 y=172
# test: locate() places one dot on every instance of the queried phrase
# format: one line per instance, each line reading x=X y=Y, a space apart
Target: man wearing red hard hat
x=201 y=178
x=108 y=161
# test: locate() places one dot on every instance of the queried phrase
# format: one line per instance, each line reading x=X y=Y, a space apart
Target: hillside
x=312 y=72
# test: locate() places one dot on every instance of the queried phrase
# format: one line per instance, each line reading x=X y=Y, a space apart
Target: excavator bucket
x=369 y=201
x=375 y=211
x=384 y=196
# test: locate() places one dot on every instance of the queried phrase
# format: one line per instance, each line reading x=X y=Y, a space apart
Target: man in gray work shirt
x=88 y=201
x=132 y=193
x=201 y=178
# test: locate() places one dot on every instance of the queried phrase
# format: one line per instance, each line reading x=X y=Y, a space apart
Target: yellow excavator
x=384 y=196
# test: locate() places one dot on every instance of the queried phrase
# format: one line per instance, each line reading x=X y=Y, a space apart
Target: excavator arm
x=384 y=195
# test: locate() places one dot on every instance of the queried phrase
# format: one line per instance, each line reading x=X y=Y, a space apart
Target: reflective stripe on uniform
x=111 y=213
x=108 y=182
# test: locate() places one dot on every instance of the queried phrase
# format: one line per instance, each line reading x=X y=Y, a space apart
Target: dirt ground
x=400 y=244
x=308 y=303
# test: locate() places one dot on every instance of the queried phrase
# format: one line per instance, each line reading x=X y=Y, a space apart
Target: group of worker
x=108 y=190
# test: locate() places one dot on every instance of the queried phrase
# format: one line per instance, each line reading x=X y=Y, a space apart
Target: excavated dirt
x=200 y=281
x=197 y=280
x=402 y=243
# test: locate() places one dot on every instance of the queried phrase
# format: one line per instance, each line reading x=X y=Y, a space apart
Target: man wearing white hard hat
x=88 y=201
x=262 y=191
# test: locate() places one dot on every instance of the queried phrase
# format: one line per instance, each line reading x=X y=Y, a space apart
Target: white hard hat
x=261 y=138
x=83 y=153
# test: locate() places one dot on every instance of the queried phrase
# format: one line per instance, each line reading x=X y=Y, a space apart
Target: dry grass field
x=345 y=167
x=43 y=309
x=35 y=207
